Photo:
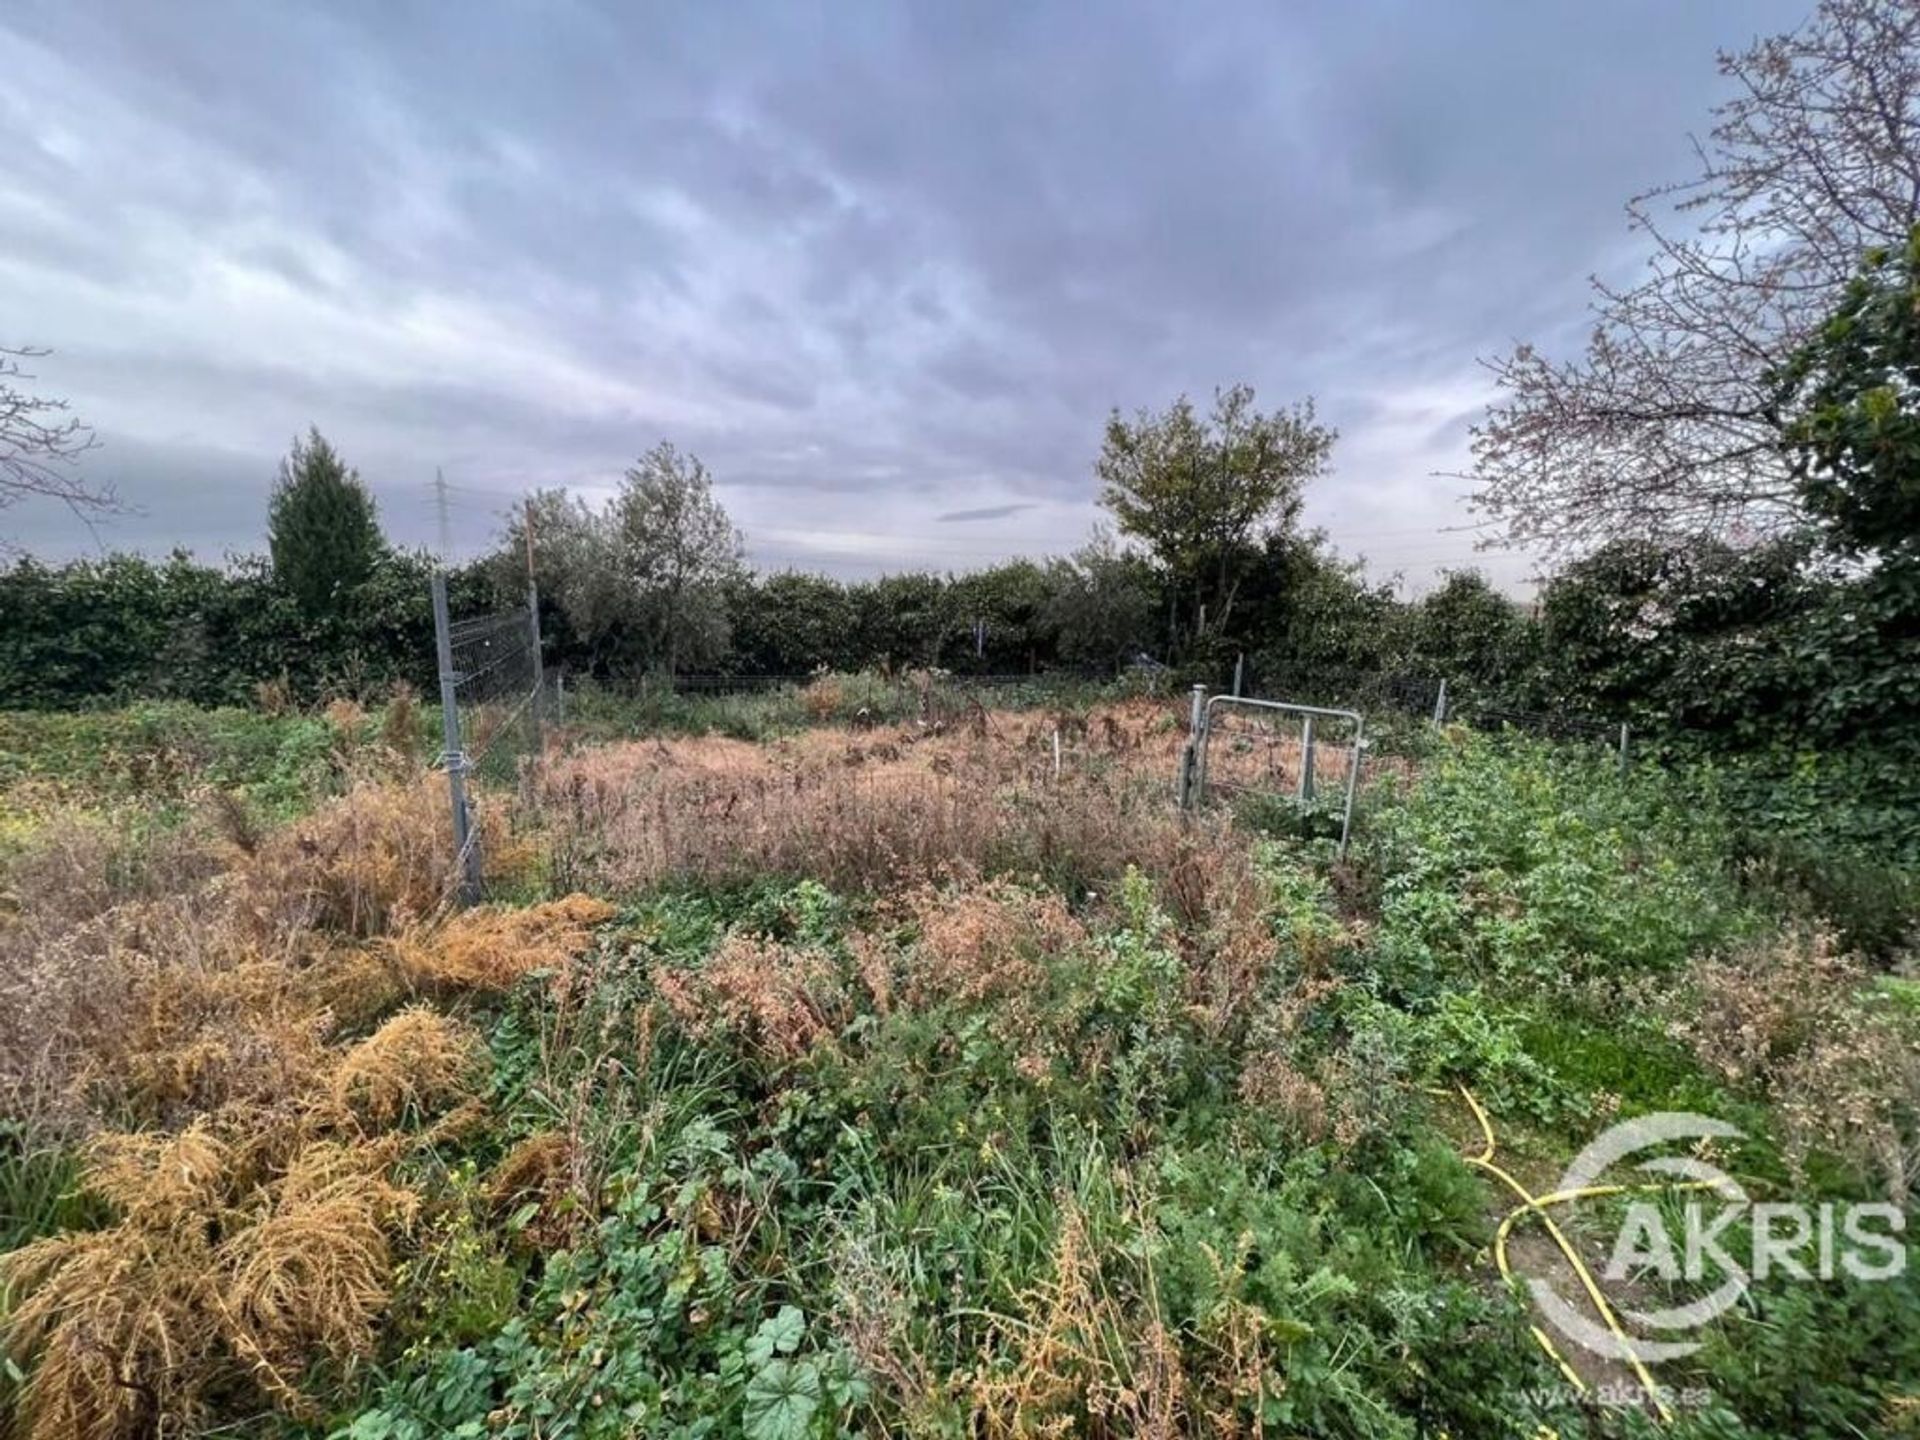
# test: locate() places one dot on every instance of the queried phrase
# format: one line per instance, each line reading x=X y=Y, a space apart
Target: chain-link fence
x=493 y=700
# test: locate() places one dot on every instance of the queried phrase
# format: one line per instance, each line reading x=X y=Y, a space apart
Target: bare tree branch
x=39 y=443
x=1666 y=422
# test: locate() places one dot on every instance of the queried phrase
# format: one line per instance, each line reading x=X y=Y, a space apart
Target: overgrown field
x=902 y=1079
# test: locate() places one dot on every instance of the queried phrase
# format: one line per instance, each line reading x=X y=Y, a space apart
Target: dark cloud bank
x=885 y=268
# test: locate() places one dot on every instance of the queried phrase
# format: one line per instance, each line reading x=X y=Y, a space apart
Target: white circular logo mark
x=1643 y=1242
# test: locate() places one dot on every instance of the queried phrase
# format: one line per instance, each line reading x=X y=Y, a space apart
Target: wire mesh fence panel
x=1549 y=725
x=497 y=684
x=492 y=686
x=1393 y=701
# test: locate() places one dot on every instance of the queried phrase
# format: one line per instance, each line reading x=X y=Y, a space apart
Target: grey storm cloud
x=862 y=258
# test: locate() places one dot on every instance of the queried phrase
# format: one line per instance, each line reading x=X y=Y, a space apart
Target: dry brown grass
x=1080 y=1359
x=152 y=975
x=215 y=1273
x=491 y=948
x=1086 y=1352
x=214 y=999
x=863 y=809
x=206 y=989
x=416 y=1064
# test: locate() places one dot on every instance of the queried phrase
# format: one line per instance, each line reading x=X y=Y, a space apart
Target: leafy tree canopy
x=1199 y=492
x=1851 y=399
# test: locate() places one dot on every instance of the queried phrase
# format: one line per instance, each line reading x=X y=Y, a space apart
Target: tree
x=1474 y=636
x=584 y=605
x=1200 y=494
x=1667 y=424
x=323 y=531
x=676 y=551
x=39 y=442
x=791 y=623
x=1321 y=625
x=1850 y=408
x=902 y=618
x=1101 y=609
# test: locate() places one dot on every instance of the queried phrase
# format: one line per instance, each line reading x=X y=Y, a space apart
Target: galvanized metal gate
x=1271 y=747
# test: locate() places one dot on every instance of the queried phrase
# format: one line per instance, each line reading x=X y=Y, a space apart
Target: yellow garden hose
x=1531 y=1204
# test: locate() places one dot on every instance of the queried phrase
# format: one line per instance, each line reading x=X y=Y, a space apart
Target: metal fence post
x=1239 y=665
x=1623 y=748
x=1440 y=703
x=539 y=666
x=1187 y=789
x=1353 y=782
x=1306 y=758
x=466 y=844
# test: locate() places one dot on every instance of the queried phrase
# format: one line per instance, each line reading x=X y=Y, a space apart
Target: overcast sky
x=884 y=267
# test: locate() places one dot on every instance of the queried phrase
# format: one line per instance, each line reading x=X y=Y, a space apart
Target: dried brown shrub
x=490 y=948
x=309 y=1272
x=416 y=1064
x=365 y=863
x=200 y=1040
x=165 y=1178
x=779 y=999
x=116 y=1329
x=206 y=1278
x=989 y=942
x=1270 y=1081
x=345 y=718
x=1795 y=1020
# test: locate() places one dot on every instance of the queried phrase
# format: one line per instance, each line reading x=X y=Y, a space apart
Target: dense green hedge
x=1763 y=649
x=124 y=628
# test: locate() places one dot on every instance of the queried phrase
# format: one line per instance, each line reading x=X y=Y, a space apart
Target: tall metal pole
x=466 y=844
x=533 y=623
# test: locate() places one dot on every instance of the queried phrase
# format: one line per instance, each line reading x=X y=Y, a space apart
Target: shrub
x=415 y=1064
x=1792 y=1020
x=492 y=947
x=365 y=864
